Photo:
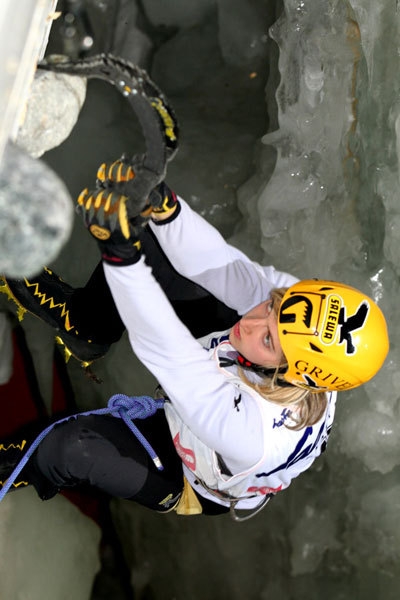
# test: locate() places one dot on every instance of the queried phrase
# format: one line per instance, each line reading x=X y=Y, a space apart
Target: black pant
x=101 y=451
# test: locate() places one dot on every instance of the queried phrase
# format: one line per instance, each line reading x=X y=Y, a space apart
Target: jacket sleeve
x=201 y=394
x=199 y=252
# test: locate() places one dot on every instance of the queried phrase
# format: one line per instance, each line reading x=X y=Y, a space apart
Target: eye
x=267 y=340
x=270 y=306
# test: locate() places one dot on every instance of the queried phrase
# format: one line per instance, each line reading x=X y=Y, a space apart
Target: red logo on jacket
x=186 y=455
x=264 y=490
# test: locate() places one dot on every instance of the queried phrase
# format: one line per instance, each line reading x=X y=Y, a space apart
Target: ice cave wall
x=290 y=125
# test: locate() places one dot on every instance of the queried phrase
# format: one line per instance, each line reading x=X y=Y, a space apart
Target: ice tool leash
x=156 y=117
x=124 y=407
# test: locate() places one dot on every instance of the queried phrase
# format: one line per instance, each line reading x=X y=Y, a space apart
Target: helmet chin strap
x=241 y=361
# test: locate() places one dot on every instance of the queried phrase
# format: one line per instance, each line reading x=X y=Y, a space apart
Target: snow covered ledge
x=37 y=112
x=23 y=40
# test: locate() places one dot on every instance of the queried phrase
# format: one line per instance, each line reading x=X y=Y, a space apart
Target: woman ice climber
x=247 y=408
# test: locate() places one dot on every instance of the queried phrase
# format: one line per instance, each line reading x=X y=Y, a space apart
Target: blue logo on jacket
x=285 y=414
x=301 y=451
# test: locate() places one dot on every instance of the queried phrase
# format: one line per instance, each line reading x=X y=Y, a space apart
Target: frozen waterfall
x=290 y=119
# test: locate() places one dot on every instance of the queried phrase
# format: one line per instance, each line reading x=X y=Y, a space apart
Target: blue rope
x=119 y=405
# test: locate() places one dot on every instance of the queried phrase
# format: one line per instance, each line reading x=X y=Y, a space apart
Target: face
x=255 y=336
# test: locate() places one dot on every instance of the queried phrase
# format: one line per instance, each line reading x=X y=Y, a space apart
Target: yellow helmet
x=333 y=336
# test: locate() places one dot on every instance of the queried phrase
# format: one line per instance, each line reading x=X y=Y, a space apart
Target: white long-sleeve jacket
x=227 y=435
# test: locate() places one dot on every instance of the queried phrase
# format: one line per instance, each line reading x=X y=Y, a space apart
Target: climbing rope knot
x=133 y=407
x=136 y=407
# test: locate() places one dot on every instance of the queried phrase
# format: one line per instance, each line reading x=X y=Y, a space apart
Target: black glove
x=163 y=201
x=104 y=214
x=117 y=174
x=120 y=175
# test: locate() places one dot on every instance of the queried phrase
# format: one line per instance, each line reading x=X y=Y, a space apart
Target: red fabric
x=21 y=403
x=17 y=403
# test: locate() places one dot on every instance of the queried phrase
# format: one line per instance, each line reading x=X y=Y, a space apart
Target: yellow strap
x=188 y=503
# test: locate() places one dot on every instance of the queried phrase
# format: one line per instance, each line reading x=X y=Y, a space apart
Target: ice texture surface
x=53 y=107
x=37 y=561
x=36 y=214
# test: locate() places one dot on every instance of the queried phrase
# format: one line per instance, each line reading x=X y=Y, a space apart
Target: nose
x=249 y=324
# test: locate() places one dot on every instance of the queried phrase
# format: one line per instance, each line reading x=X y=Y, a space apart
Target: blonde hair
x=309 y=406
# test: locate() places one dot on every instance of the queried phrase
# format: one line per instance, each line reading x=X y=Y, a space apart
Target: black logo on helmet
x=351 y=324
x=291 y=317
x=333 y=327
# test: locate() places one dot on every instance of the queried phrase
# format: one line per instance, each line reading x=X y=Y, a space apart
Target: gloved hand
x=119 y=176
x=163 y=202
x=116 y=174
x=104 y=214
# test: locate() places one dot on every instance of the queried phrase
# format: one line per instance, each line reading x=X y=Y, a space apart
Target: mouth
x=236 y=330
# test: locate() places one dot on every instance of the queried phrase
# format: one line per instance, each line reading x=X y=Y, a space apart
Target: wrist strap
x=174 y=213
